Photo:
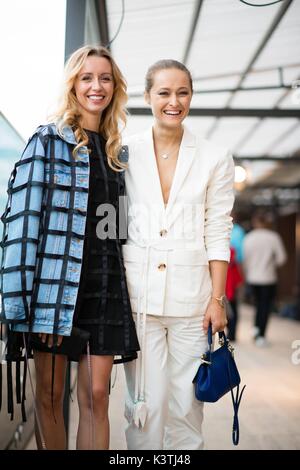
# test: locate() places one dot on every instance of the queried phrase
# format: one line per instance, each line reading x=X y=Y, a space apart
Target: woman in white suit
x=180 y=195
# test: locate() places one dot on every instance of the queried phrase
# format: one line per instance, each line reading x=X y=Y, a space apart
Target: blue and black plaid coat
x=44 y=226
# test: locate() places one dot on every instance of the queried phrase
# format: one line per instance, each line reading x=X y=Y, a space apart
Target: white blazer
x=168 y=248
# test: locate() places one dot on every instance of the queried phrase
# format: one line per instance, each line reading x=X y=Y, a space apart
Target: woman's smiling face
x=94 y=86
x=170 y=96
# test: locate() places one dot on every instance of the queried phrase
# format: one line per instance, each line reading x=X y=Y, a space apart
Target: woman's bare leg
x=50 y=418
x=93 y=429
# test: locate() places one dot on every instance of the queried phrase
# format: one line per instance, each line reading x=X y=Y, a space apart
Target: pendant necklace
x=167 y=154
x=173 y=148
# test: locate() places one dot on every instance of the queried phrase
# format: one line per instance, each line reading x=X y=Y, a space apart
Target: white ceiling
x=226 y=38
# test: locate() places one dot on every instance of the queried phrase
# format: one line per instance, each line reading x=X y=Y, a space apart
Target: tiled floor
x=270 y=410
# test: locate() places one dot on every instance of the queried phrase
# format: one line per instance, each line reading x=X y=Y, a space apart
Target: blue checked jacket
x=43 y=236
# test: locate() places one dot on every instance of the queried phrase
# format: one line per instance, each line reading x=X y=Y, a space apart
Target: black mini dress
x=103 y=304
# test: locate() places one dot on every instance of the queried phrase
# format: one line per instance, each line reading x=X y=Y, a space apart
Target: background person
x=234 y=275
x=264 y=252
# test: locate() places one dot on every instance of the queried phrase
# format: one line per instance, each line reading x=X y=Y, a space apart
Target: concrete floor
x=270 y=410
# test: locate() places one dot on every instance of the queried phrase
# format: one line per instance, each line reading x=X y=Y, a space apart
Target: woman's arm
x=215 y=314
x=217 y=231
x=21 y=232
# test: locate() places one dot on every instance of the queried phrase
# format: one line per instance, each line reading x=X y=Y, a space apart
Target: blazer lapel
x=149 y=169
x=186 y=157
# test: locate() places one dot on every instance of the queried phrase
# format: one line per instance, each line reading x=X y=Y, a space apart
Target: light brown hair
x=162 y=65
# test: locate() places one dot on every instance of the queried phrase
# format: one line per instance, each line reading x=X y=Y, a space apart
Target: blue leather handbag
x=218 y=375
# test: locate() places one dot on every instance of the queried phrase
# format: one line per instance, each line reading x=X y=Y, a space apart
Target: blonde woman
x=60 y=267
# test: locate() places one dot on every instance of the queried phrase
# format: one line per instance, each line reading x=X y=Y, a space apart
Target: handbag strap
x=210 y=335
x=236 y=400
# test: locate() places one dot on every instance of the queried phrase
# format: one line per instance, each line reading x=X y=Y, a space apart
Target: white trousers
x=172 y=349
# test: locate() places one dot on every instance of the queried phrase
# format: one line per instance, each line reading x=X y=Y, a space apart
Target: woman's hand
x=46 y=338
x=216 y=315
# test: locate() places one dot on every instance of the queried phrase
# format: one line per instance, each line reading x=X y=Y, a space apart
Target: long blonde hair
x=68 y=112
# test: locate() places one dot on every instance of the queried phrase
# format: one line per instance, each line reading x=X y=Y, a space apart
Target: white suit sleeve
x=218 y=206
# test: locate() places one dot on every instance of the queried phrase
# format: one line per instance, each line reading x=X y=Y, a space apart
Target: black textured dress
x=103 y=304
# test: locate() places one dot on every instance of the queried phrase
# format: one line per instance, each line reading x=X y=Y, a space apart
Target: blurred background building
x=11 y=146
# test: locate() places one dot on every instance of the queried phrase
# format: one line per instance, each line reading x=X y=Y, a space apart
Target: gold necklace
x=165 y=156
x=173 y=148
x=170 y=152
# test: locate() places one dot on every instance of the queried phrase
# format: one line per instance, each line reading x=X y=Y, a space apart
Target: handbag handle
x=221 y=334
x=222 y=340
x=236 y=400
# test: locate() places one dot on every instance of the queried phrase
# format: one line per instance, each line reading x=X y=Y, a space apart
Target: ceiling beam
x=228 y=112
x=249 y=88
x=192 y=31
x=267 y=158
x=228 y=90
x=278 y=17
x=239 y=145
x=284 y=95
x=281 y=137
x=218 y=76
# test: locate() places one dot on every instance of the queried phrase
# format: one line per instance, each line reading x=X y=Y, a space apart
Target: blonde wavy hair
x=68 y=112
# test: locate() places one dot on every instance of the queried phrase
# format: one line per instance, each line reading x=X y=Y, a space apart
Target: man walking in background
x=264 y=252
